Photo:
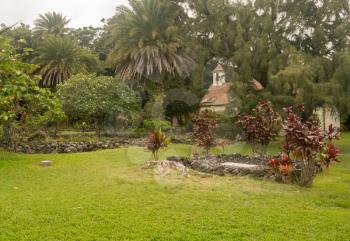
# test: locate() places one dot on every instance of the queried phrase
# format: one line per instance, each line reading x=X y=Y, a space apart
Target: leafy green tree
x=92 y=99
x=291 y=47
x=86 y=36
x=341 y=80
x=22 y=101
x=59 y=58
x=22 y=40
x=51 y=23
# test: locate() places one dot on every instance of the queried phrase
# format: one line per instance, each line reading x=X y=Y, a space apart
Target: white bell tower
x=219 y=77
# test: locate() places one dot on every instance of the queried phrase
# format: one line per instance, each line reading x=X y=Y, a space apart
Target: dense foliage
x=93 y=99
x=298 y=51
x=260 y=127
x=154 y=124
x=23 y=103
x=292 y=47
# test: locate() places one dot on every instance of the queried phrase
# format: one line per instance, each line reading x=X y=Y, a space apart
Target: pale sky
x=81 y=12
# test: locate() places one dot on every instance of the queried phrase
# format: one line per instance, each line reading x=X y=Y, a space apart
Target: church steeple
x=219 y=77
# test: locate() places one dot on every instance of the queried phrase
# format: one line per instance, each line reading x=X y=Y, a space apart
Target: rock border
x=231 y=165
x=72 y=147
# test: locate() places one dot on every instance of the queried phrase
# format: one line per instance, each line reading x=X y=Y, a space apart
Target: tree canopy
x=92 y=98
x=22 y=101
x=298 y=50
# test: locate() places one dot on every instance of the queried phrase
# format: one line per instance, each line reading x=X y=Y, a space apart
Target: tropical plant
x=260 y=127
x=22 y=101
x=51 y=23
x=282 y=165
x=92 y=99
x=59 y=58
x=157 y=140
x=204 y=125
x=330 y=152
x=305 y=143
x=148 y=41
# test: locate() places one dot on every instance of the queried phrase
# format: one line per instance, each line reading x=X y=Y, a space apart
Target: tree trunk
x=307 y=173
x=8 y=132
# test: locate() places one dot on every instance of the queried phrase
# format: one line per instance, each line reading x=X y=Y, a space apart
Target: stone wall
x=72 y=147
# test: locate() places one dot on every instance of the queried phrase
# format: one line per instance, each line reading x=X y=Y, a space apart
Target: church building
x=217 y=96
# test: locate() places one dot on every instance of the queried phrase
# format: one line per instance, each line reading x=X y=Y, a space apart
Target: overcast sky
x=81 y=12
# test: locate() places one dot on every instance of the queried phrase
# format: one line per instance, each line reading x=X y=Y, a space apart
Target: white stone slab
x=239 y=165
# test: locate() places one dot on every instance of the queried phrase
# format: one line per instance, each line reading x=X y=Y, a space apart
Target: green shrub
x=181 y=139
x=154 y=124
x=226 y=130
x=94 y=99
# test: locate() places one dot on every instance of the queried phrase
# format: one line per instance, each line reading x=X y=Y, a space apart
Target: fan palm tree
x=59 y=58
x=148 y=41
x=51 y=23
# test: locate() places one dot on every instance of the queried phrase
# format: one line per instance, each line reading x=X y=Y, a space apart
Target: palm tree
x=148 y=41
x=51 y=23
x=59 y=58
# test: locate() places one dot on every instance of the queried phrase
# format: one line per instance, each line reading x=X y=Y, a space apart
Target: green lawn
x=106 y=195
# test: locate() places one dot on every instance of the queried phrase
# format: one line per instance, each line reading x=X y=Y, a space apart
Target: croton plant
x=260 y=127
x=306 y=146
x=204 y=125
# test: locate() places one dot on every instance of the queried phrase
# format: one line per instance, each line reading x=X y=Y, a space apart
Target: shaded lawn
x=106 y=195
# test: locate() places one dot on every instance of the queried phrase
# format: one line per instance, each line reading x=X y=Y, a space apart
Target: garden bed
x=240 y=165
x=234 y=164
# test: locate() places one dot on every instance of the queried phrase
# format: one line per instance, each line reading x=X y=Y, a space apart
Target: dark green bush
x=154 y=124
x=227 y=128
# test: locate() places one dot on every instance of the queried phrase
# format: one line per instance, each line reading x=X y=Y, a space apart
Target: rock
x=46 y=163
x=163 y=168
x=243 y=169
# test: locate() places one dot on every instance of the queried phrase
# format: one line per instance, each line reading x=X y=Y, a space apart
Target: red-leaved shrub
x=282 y=165
x=157 y=140
x=204 y=125
x=260 y=127
x=306 y=144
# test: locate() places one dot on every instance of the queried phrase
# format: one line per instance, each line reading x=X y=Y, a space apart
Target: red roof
x=218 y=68
x=257 y=85
x=217 y=95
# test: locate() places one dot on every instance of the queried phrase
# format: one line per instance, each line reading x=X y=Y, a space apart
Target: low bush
x=181 y=139
x=155 y=124
x=283 y=166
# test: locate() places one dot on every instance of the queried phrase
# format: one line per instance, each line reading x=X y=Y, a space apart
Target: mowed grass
x=106 y=195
